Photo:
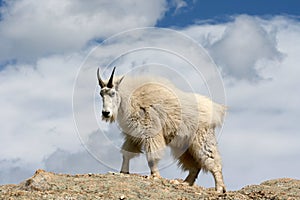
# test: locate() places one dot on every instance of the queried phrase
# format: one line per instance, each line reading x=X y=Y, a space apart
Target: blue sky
x=44 y=44
x=222 y=11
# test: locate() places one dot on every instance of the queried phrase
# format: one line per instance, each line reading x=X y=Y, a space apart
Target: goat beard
x=109 y=119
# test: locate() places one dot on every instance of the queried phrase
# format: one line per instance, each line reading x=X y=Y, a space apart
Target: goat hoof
x=188 y=182
x=155 y=175
x=221 y=189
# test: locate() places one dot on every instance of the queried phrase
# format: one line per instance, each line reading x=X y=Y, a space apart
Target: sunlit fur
x=153 y=113
x=111 y=101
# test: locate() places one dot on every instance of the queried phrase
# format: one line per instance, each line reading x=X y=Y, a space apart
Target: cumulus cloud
x=243 y=47
x=30 y=29
x=36 y=111
x=37 y=115
x=42 y=111
x=243 y=43
x=262 y=114
x=258 y=60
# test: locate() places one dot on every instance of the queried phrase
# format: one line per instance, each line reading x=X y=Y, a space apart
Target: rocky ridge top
x=48 y=185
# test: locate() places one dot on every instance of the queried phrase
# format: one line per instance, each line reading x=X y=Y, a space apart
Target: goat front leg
x=125 y=164
x=154 y=147
x=129 y=151
x=153 y=165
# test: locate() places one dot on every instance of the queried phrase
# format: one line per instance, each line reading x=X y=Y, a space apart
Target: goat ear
x=117 y=83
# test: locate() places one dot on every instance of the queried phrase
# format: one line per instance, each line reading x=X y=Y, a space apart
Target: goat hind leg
x=220 y=187
x=187 y=162
x=213 y=164
x=191 y=178
x=206 y=151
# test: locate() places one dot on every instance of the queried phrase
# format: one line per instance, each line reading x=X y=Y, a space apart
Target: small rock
x=147 y=177
x=114 y=173
x=175 y=182
x=122 y=197
x=39 y=171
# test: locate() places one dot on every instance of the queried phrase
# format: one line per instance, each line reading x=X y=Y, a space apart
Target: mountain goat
x=153 y=113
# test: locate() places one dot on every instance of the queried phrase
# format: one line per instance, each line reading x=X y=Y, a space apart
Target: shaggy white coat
x=153 y=113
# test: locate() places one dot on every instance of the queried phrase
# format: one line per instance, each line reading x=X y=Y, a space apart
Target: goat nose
x=105 y=113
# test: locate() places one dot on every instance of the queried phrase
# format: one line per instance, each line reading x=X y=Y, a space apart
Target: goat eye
x=112 y=93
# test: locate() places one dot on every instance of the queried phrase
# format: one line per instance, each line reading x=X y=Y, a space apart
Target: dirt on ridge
x=48 y=185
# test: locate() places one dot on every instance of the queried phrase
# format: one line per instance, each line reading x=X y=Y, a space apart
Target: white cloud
x=179 y=4
x=259 y=140
x=261 y=130
x=36 y=111
x=243 y=43
x=40 y=96
x=30 y=29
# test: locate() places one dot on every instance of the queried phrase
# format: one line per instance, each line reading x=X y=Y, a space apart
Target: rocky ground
x=47 y=185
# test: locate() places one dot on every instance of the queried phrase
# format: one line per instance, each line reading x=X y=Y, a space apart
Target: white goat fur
x=153 y=113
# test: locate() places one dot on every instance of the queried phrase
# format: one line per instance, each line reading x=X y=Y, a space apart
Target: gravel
x=48 y=185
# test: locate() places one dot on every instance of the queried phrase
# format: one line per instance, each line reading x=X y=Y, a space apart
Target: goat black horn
x=101 y=83
x=110 y=83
